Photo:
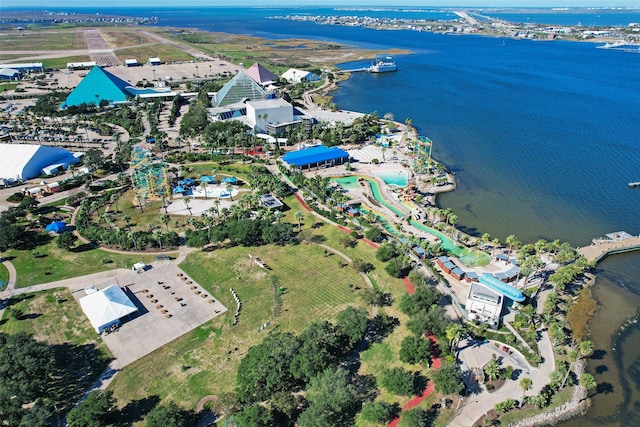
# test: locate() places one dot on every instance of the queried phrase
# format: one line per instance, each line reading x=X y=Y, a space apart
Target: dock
x=614 y=243
x=353 y=70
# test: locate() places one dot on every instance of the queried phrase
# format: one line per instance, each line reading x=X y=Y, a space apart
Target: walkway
x=427 y=391
x=601 y=248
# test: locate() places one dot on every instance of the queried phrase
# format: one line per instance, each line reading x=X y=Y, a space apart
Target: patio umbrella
x=56 y=226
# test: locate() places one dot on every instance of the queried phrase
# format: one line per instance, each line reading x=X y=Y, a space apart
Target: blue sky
x=453 y=3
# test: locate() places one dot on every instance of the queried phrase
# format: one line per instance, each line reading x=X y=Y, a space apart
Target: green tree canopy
x=448 y=379
x=171 y=415
x=266 y=368
x=414 y=349
x=254 y=415
x=97 y=410
x=353 y=324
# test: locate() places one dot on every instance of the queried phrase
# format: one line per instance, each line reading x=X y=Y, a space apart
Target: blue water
x=543 y=138
x=587 y=18
x=398 y=178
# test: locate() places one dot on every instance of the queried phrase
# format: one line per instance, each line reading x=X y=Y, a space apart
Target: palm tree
x=299 y=216
x=454 y=333
x=229 y=188
x=492 y=369
x=588 y=382
x=114 y=199
x=585 y=348
x=217 y=203
x=573 y=357
x=513 y=243
x=127 y=219
x=157 y=235
x=186 y=200
x=203 y=185
x=526 y=383
x=165 y=219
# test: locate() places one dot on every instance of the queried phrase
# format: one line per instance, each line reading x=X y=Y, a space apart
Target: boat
x=383 y=65
x=634 y=184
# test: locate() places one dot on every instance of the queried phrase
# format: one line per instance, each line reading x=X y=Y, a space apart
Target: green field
x=205 y=360
x=61 y=63
x=52 y=263
x=4 y=277
x=165 y=52
x=42 y=40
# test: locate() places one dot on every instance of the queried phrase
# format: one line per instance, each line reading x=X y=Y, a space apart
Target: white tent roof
x=106 y=306
x=25 y=161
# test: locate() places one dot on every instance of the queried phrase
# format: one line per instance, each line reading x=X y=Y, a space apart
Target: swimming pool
x=398 y=177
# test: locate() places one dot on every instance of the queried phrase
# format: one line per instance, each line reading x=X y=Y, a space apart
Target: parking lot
x=170 y=304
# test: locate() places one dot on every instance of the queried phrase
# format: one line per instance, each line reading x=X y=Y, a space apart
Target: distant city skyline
x=331 y=3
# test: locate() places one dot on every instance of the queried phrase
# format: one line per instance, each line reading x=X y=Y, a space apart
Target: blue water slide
x=497 y=285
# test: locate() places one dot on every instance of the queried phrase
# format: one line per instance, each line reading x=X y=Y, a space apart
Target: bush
x=379 y=412
x=15 y=198
x=398 y=381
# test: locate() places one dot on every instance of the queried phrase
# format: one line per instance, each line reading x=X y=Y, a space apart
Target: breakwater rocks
x=576 y=406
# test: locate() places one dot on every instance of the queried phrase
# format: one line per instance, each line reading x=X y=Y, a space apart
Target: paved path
x=601 y=248
x=427 y=391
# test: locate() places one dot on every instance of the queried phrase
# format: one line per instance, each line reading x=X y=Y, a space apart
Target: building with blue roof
x=320 y=156
x=100 y=85
x=499 y=286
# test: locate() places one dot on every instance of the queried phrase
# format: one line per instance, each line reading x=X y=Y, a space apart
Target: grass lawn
x=125 y=37
x=8 y=86
x=4 y=277
x=165 y=52
x=205 y=360
x=61 y=63
x=61 y=264
x=80 y=354
x=558 y=399
x=40 y=40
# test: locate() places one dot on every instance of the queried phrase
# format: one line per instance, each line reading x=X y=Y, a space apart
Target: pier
x=353 y=70
x=614 y=243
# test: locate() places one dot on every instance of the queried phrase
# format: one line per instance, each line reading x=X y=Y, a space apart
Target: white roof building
x=484 y=305
x=297 y=76
x=106 y=307
x=25 y=161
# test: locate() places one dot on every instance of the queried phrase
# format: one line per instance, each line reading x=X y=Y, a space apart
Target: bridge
x=613 y=243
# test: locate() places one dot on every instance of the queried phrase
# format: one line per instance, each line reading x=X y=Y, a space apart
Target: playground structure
x=422 y=148
x=149 y=179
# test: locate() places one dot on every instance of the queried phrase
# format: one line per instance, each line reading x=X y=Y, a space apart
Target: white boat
x=383 y=65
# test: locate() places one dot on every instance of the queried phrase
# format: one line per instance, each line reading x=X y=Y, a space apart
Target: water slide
x=502 y=288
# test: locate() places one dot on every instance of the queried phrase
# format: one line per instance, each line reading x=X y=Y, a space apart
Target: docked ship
x=383 y=65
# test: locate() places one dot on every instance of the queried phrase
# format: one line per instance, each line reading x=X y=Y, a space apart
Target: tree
x=352 y=322
x=66 y=241
x=505 y=406
x=171 y=415
x=416 y=418
x=97 y=410
x=374 y=234
x=448 y=379
x=299 y=216
x=379 y=412
x=492 y=369
x=588 y=381
x=186 y=200
x=93 y=158
x=319 y=347
x=526 y=383
x=398 y=381
x=165 y=219
x=386 y=252
x=334 y=395
x=26 y=366
x=585 y=348
x=454 y=333
x=266 y=368
x=415 y=350
x=254 y=415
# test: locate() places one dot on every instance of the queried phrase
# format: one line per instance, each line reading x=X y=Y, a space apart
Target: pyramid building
x=261 y=75
x=99 y=85
x=240 y=87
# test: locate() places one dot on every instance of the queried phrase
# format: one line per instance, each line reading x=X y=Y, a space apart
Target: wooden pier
x=353 y=70
x=600 y=248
